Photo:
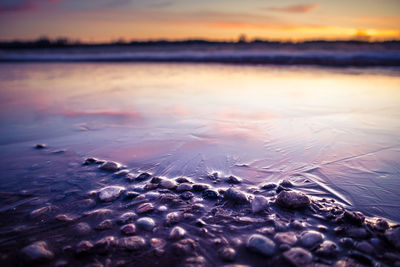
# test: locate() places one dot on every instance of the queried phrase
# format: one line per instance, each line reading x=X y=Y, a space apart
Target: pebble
x=393 y=236
x=110 y=166
x=327 y=248
x=187 y=195
x=177 y=233
x=169 y=184
x=261 y=244
x=162 y=208
x=200 y=187
x=37 y=252
x=82 y=228
x=233 y=180
x=298 y=257
x=182 y=180
x=130 y=195
x=200 y=223
x=173 y=218
x=259 y=203
x=227 y=254
x=311 y=238
x=183 y=187
x=268 y=186
x=128 y=229
x=110 y=193
x=366 y=247
x=353 y=217
x=145 y=223
x=210 y=194
x=184 y=247
x=105 y=244
x=286 y=238
x=145 y=208
x=64 y=218
x=121 y=173
x=286 y=183
x=292 y=199
x=381 y=225
x=132 y=243
x=346 y=242
x=235 y=196
x=89 y=161
x=104 y=225
x=83 y=247
x=40 y=146
x=143 y=176
x=99 y=212
x=266 y=230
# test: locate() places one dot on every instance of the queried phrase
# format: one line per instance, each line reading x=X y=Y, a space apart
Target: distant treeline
x=65 y=43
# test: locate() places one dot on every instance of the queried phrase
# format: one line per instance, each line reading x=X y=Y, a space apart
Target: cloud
x=295 y=8
x=7 y=6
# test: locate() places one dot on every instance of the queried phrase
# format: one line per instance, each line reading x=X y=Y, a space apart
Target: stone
x=182 y=180
x=346 y=242
x=347 y=262
x=177 y=233
x=259 y=203
x=42 y=211
x=37 y=252
x=150 y=186
x=236 y=196
x=187 y=195
x=145 y=208
x=266 y=230
x=311 y=238
x=130 y=195
x=121 y=173
x=169 y=184
x=83 y=247
x=40 y=146
x=157 y=242
x=145 y=223
x=184 y=247
x=227 y=254
x=132 y=243
x=89 y=161
x=82 y=228
x=200 y=187
x=268 y=186
x=357 y=232
x=327 y=248
x=64 y=218
x=200 y=223
x=233 y=180
x=286 y=238
x=365 y=247
x=381 y=225
x=143 y=176
x=198 y=261
x=261 y=245
x=104 y=225
x=210 y=194
x=285 y=183
x=99 y=213
x=110 y=193
x=155 y=180
x=162 y=208
x=110 y=166
x=393 y=236
x=173 y=218
x=298 y=257
x=183 y=187
x=128 y=229
x=152 y=195
x=105 y=244
x=292 y=200
x=126 y=217
x=353 y=217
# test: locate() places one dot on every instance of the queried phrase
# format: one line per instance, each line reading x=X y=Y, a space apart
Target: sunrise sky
x=107 y=20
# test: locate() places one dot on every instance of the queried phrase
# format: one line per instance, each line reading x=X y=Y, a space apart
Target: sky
x=285 y=20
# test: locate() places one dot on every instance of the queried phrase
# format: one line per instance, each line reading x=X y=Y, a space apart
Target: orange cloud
x=295 y=8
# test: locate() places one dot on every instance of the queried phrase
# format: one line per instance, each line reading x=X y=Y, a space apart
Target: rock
x=187 y=195
x=182 y=180
x=266 y=230
x=381 y=225
x=105 y=244
x=121 y=173
x=286 y=238
x=357 y=232
x=261 y=244
x=89 y=161
x=128 y=229
x=143 y=176
x=200 y=187
x=99 y=213
x=346 y=242
x=127 y=217
x=37 y=252
x=268 y=186
x=152 y=195
x=162 y=208
x=183 y=187
x=347 y=262
x=145 y=208
x=311 y=238
x=198 y=261
x=64 y=218
x=354 y=217
x=292 y=200
x=83 y=247
x=104 y=225
x=285 y=183
x=365 y=247
x=157 y=242
x=110 y=193
x=327 y=248
x=82 y=228
x=42 y=211
x=393 y=236
x=145 y=223
x=155 y=180
x=233 y=180
x=210 y=194
x=132 y=243
x=169 y=184
x=130 y=195
x=40 y=146
x=184 y=247
x=177 y=233
x=110 y=166
x=296 y=224
x=213 y=176
x=259 y=203
x=200 y=223
x=235 y=196
x=173 y=218
x=227 y=254
x=298 y=256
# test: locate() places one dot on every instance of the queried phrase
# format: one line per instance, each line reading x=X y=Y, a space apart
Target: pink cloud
x=295 y=8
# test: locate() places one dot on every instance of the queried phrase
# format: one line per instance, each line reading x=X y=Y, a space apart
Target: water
x=335 y=128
